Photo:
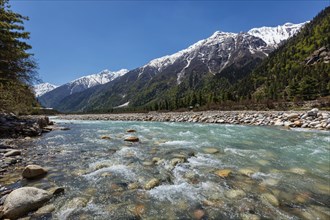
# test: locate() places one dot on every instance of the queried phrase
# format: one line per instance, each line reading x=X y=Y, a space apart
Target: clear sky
x=74 y=38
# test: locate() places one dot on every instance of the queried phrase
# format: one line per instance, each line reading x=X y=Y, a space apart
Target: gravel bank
x=313 y=119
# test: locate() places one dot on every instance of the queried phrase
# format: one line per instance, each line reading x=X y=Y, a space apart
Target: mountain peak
x=43 y=88
x=273 y=36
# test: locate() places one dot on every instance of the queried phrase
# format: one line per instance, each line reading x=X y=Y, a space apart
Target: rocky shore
x=313 y=119
x=15 y=136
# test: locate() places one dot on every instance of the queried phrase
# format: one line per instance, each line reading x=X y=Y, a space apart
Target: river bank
x=313 y=119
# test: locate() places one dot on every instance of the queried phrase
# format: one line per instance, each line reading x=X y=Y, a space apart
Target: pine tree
x=17 y=67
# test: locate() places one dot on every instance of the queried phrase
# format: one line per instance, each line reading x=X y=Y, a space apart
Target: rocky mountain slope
x=54 y=97
x=228 y=56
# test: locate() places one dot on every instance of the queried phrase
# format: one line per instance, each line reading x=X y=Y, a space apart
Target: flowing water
x=185 y=171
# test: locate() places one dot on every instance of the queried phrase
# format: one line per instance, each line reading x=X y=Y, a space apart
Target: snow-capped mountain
x=273 y=36
x=225 y=56
x=217 y=50
x=89 y=81
x=53 y=97
x=43 y=88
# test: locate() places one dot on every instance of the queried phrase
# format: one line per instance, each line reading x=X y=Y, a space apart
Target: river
x=184 y=171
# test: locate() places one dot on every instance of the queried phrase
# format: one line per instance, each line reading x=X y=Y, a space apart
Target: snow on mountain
x=89 y=81
x=275 y=35
x=223 y=45
x=43 y=88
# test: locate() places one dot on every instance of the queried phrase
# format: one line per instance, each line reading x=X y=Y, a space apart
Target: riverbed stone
x=132 y=139
x=56 y=190
x=152 y=184
x=269 y=198
x=104 y=137
x=210 y=150
x=223 y=173
x=246 y=171
x=33 y=171
x=131 y=130
x=298 y=170
x=44 y=210
x=24 y=200
x=12 y=153
x=235 y=193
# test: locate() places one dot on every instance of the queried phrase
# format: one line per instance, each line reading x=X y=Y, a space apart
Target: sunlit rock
x=223 y=173
x=152 y=184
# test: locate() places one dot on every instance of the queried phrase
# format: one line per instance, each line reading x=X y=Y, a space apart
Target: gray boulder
x=24 y=200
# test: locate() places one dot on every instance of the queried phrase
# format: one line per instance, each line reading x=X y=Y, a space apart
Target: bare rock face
x=24 y=200
x=33 y=171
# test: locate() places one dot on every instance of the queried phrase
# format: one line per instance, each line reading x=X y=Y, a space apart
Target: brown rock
x=33 y=171
x=223 y=173
x=132 y=139
x=105 y=137
x=131 y=130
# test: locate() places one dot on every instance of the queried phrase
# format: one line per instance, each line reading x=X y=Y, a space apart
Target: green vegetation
x=17 y=67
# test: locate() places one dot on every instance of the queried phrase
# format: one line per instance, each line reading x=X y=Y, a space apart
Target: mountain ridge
x=178 y=74
x=53 y=97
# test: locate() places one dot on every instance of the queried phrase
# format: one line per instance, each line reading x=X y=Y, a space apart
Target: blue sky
x=71 y=39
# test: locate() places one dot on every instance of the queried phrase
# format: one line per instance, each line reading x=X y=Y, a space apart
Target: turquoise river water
x=185 y=171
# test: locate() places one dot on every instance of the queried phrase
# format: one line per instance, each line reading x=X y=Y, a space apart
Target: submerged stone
x=235 y=193
x=152 y=184
x=269 y=198
x=223 y=173
x=210 y=150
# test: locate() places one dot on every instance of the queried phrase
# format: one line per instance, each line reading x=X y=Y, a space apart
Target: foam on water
x=121 y=170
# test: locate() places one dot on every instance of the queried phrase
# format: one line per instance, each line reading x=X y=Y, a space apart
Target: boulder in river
x=33 y=171
x=131 y=130
x=24 y=200
x=210 y=150
x=132 y=139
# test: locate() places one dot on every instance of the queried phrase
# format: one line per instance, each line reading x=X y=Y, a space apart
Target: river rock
x=131 y=130
x=235 y=193
x=33 y=171
x=105 y=137
x=210 y=150
x=292 y=115
x=132 y=139
x=13 y=153
x=223 y=173
x=298 y=123
x=269 y=198
x=298 y=170
x=248 y=216
x=152 y=184
x=246 y=172
x=56 y=190
x=44 y=210
x=24 y=200
x=199 y=214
